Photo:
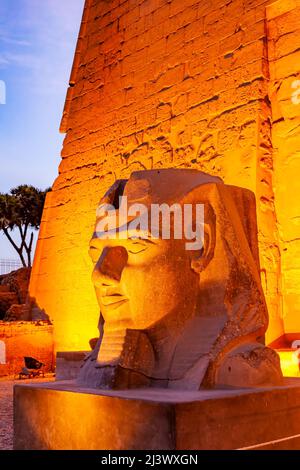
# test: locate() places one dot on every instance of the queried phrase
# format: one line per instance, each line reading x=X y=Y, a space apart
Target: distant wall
x=19 y=339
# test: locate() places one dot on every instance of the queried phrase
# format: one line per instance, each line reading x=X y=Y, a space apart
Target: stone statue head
x=181 y=303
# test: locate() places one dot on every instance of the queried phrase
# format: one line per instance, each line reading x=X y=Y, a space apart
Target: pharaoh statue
x=173 y=317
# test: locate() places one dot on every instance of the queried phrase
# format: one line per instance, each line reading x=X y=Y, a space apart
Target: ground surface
x=6 y=410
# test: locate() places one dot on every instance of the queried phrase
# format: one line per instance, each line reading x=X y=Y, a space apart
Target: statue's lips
x=113 y=300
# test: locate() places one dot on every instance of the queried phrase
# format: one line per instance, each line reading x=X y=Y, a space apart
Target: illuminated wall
x=284 y=57
x=19 y=339
x=157 y=83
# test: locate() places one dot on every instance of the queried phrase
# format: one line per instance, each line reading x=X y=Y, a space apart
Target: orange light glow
x=290 y=362
x=218 y=101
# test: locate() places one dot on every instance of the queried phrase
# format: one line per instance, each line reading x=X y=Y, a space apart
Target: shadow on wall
x=34 y=312
x=14 y=302
x=13 y=294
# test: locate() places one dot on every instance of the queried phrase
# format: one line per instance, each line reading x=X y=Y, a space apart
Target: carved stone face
x=139 y=282
x=178 y=318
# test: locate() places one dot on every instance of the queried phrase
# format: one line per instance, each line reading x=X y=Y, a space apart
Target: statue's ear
x=201 y=258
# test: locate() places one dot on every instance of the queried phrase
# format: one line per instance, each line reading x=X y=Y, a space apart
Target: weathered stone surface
x=18 y=282
x=4 y=289
x=171 y=315
x=154 y=85
x=19 y=339
x=15 y=313
x=284 y=31
x=155 y=419
x=13 y=295
x=7 y=299
x=68 y=364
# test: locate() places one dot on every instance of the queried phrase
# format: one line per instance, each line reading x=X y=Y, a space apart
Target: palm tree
x=22 y=209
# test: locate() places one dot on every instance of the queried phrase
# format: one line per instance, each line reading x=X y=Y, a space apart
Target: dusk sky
x=37 y=43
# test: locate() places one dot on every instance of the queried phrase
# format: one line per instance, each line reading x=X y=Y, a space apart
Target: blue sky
x=37 y=43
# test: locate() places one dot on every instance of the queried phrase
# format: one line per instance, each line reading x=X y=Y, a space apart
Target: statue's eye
x=94 y=254
x=137 y=246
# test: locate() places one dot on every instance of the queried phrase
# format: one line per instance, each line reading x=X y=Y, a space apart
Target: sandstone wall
x=284 y=55
x=157 y=83
x=24 y=339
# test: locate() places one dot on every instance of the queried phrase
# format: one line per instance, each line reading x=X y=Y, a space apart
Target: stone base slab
x=68 y=364
x=61 y=416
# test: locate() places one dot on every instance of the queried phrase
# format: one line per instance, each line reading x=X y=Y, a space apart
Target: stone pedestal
x=62 y=416
x=68 y=364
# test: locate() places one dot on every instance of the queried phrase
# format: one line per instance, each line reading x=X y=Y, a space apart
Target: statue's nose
x=108 y=269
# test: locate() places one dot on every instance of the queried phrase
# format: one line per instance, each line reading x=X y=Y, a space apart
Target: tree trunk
x=28 y=250
x=18 y=250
